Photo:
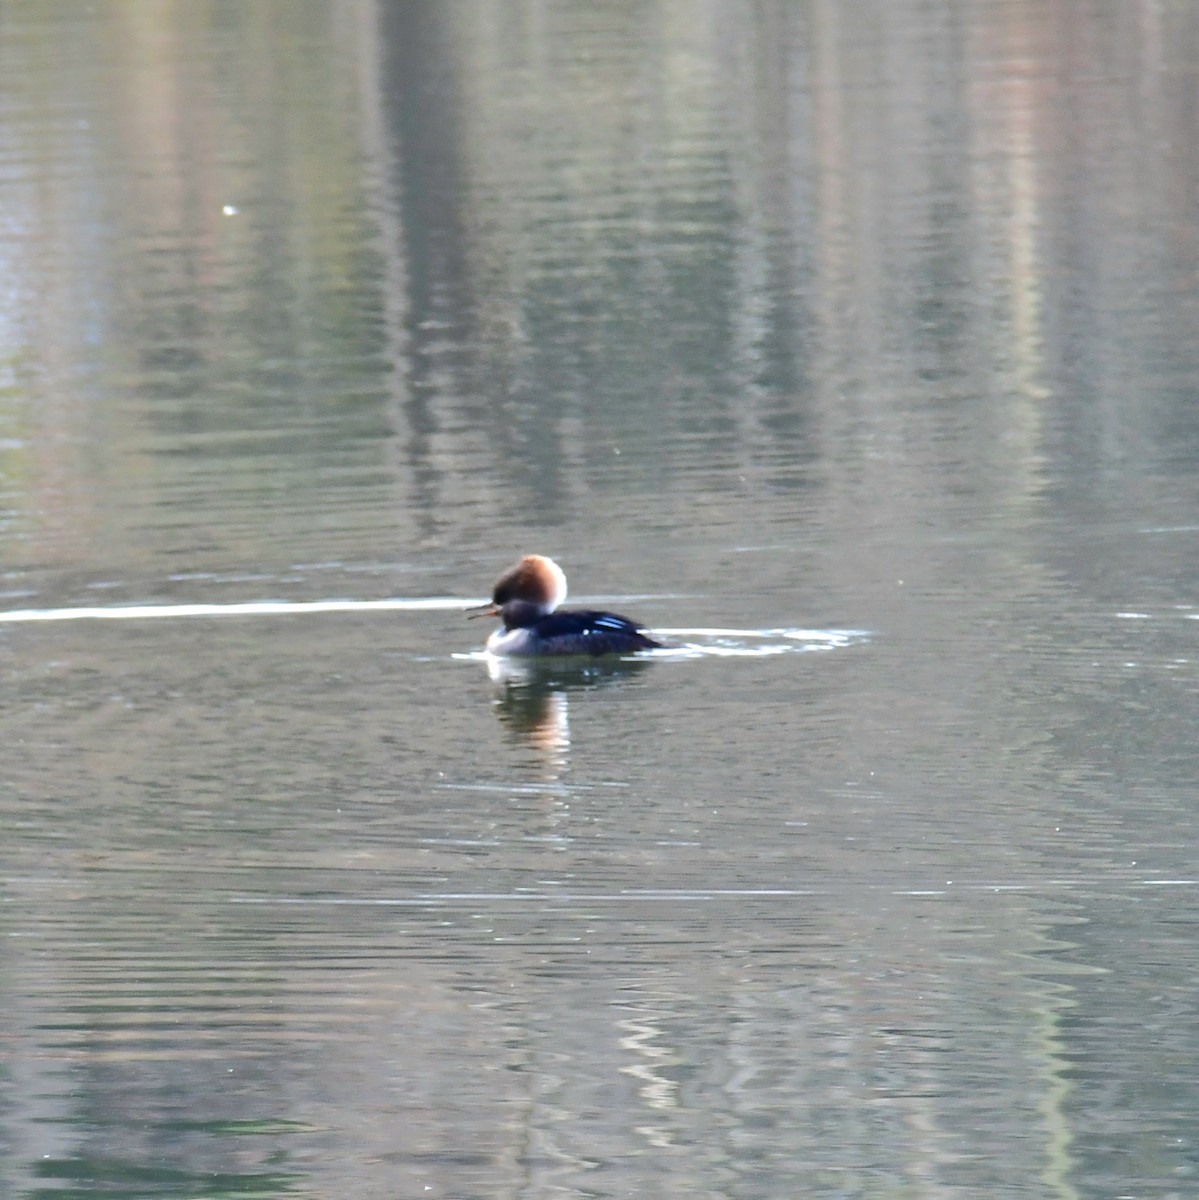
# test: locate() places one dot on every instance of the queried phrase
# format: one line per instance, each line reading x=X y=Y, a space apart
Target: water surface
x=849 y=345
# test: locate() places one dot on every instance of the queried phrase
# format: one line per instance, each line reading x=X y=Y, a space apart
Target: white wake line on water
x=791 y=639
x=689 y=895
x=762 y=642
x=803 y=635
x=250 y=608
x=256 y=608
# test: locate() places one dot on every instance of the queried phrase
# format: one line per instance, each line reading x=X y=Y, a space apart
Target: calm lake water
x=853 y=345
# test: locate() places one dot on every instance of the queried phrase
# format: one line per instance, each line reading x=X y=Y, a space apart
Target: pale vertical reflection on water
x=850 y=345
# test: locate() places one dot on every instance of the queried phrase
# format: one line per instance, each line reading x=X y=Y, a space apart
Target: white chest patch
x=510 y=641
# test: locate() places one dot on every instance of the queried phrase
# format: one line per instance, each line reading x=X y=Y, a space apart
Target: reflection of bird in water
x=525 y=599
x=532 y=695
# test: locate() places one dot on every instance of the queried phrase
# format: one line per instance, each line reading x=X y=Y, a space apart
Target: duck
x=526 y=598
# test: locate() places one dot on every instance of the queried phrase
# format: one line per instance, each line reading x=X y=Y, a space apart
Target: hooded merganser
x=525 y=598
